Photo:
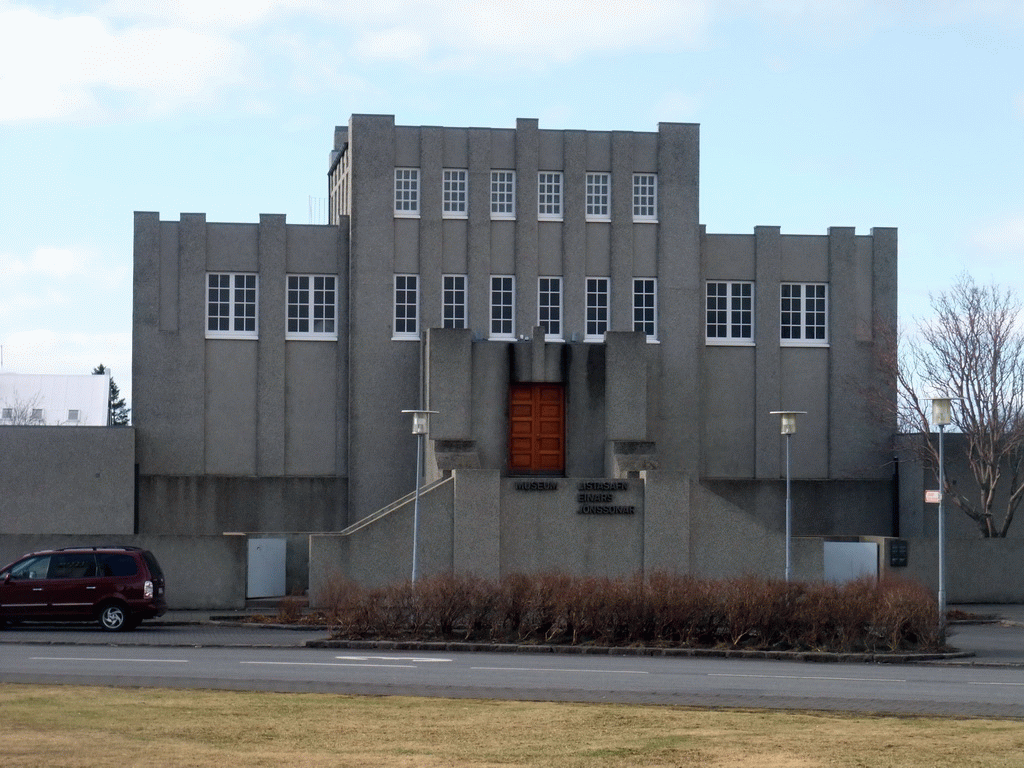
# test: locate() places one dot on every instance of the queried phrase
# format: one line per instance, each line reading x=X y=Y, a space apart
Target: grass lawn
x=78 y=726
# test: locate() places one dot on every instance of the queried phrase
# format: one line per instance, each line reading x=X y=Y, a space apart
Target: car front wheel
x=114 y=618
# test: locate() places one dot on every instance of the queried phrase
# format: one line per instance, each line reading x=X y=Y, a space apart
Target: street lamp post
x=420 y=428
x=788 y=427
x=942 y=416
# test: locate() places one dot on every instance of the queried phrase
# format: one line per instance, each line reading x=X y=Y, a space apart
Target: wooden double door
x=537 y=429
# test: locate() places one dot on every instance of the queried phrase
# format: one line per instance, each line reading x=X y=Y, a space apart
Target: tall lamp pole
x=942 y=416
x=420 y=428
x=788 y=427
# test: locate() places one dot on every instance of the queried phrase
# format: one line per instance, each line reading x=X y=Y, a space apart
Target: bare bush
x=666 y=610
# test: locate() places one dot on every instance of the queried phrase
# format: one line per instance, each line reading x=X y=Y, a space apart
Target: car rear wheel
x=113 y=617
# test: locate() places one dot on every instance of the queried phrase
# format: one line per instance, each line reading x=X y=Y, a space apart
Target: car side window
x=81 y=565
x=113 y=564
x=33 y=568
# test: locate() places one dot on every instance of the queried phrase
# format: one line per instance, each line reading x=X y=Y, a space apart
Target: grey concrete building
x=553 y=296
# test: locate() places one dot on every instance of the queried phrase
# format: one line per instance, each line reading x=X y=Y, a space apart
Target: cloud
x=1001 y=239
x=53 y=262
x=79 y=67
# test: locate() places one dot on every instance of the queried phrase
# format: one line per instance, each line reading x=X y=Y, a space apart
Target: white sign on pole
x=932 y=497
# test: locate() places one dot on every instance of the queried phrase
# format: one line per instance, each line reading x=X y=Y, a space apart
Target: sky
x=813 y=114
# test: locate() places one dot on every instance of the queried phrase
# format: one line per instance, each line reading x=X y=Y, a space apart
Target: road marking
x=413 y=659
x=555 y=669
x=814 y=677
x=324 y=664
x=980 y=683
x=94 y=658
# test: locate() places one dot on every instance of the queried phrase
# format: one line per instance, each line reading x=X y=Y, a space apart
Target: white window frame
x=455 y=193
x=645 y=197
x=549 y=307
x=736 y=307
x=454 y=310
x=811 y=315
x=407 y=193
x=7 y=414
x=645 y=306
x=599 y=197
x=74 y=415
x=311 y=300
x=503 y=194
x=406 y=323
x=237 y=305
x=550 y=195
x=598 y=316
x=502 y=321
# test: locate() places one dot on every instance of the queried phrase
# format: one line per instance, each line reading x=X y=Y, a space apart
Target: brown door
x=537 y=429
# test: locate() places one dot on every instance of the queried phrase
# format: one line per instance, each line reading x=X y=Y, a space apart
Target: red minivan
x=116 y=586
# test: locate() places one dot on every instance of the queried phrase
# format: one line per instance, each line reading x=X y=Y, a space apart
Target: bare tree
x=972 y=350
x=22 y=412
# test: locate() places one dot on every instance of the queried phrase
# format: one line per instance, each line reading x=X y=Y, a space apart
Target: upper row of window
x=550 y=195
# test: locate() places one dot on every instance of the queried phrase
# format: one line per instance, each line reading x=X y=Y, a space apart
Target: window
x=599 y=187
x=502 y=307
x=36 y=416
x=730 y=313
x=454 y=195
x=804 y=313
x=503 y=194
x=231 y=305
x=73 y=415
x=407 y=299
x=645 y=197
x=453 y=310
x=597 y=308
x=7 y=414
x=407 y=191
x=312 y=307
x=549 y=195
x=549 y=306
x=645 y=317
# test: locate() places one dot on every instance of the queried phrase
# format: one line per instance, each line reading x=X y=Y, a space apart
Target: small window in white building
x=730 y=312
x=549 y=306
x=597 y=309
x=503 y=194
x=599 y=186
x=36 y=416
x=803 y=314
x=7 y=414
x=312 y=307
x=231 y=305
x=455 y=194
x=407 y=304
x=73 y=416
x=645 y=197
x=503 y=307
x=645 y=306
x=407 y=191
x=549 y=195
x=453 y=308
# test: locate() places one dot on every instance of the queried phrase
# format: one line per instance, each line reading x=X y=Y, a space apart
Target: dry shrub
x=661 y=610
x=906 y=616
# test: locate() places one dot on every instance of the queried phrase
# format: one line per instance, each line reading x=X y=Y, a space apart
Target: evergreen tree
x=119 y=411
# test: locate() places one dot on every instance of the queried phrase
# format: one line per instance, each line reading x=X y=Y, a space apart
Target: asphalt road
x=260 y=658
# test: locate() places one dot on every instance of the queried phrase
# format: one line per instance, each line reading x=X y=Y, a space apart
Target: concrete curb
x=591 y=650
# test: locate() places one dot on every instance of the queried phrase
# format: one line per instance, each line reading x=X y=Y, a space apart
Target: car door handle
x=90 y=587
x=37 y=589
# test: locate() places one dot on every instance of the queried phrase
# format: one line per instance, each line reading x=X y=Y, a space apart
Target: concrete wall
x=202 y=572
x=214 y=414
x=478 y=522
x=58 y=480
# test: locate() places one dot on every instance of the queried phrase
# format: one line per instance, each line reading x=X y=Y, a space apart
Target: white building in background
x=55 y=400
